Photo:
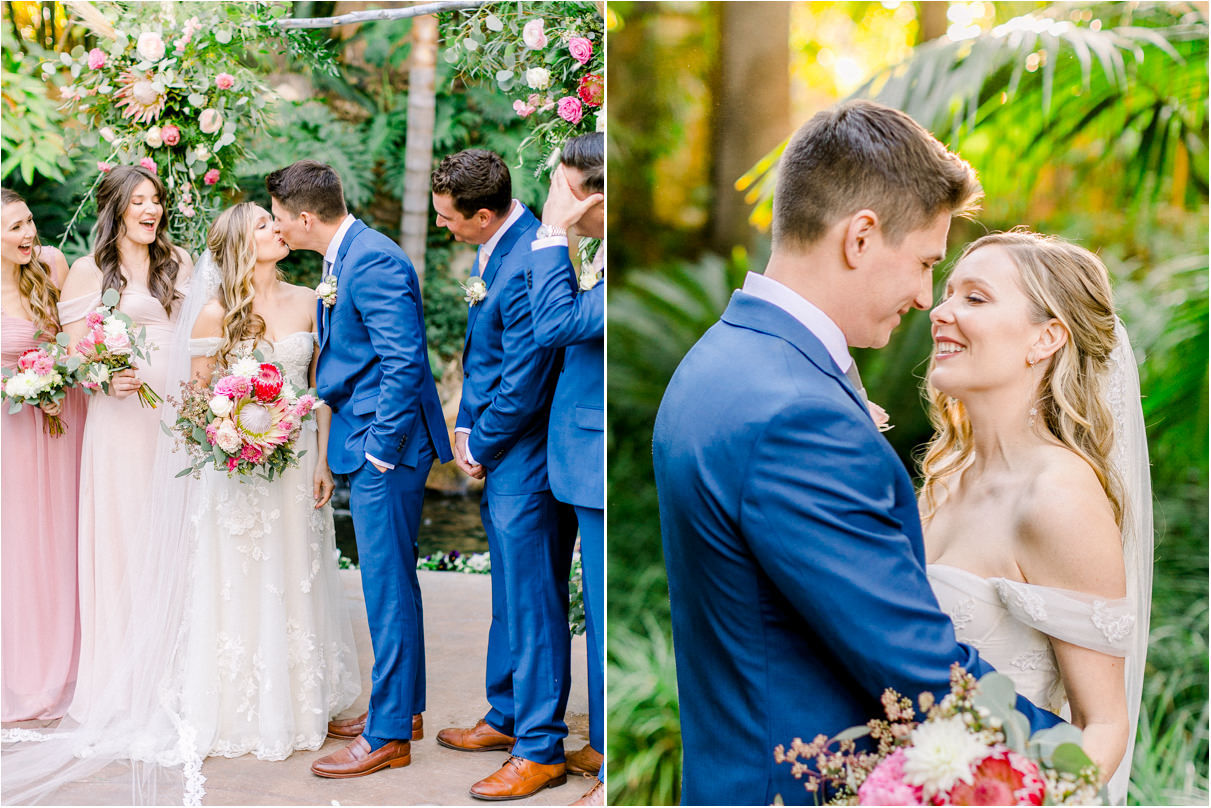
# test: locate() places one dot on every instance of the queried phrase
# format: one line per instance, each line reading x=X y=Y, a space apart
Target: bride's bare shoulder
x=1067 y=536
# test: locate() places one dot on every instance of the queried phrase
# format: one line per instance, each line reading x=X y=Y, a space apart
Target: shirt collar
x=514 y=215
x=334 y=246
x=797 y=306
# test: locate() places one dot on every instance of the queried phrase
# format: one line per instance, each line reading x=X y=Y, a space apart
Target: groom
x=501 y=438
x=387 y=429
x=794 y=552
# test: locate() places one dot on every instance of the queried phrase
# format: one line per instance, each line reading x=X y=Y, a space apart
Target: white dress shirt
x=797 y=306
x=485 y=255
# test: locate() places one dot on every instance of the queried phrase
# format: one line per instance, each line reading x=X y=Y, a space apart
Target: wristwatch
x=550 y=230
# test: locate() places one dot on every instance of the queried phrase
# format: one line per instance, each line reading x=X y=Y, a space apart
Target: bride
x=1036 y=497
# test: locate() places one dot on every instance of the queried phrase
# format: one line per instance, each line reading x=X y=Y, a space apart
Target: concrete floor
x=457 y=616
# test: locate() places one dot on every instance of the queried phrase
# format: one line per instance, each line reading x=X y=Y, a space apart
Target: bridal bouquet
x=111 y=345
x=972 y=748
x=42 y=376
x=246 y=423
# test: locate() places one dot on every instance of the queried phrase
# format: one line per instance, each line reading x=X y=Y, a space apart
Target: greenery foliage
x=32 y=140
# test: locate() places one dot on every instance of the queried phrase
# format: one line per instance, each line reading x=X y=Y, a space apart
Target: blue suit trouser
x=530 y=537
x=386 y=509
x=592 y=571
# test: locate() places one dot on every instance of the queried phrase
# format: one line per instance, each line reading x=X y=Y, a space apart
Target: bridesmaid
x=40 y=479
x=132 y=254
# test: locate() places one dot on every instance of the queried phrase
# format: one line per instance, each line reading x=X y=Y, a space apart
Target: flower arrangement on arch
x=247 y=422
x=167 y=88
x=972 y=748
x=549 y=57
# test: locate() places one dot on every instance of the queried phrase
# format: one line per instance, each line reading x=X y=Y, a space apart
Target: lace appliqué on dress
x=1114 y=625
x=1028 y=601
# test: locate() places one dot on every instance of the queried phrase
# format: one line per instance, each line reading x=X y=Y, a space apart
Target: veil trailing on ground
x=128 y=729
x=1130 y=459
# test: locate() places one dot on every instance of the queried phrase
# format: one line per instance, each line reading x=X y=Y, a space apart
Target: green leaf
x=183 y=473
x=62 y=339
x=853 y=733
x=1070 y=758
x=110 y=298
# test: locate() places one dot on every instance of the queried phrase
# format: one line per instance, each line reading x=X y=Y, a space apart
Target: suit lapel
x=326 y=312
x=503 y=247
x=749 y=311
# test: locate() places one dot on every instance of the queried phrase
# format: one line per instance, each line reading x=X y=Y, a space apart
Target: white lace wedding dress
x=1010 y=623
x=269 y=655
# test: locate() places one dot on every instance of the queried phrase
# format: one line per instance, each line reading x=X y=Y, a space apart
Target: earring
x=1030 y=360
x=1033 y=412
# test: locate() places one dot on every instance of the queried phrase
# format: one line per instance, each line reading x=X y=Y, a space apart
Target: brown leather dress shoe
x=350 y=728
x=586 y=761
x=594 y=796
x=519 y=778
x=479 y=738
x=356 y=759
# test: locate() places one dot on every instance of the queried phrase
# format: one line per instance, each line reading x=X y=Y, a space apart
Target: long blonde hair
x=233 y=249
x=34 y=280
x=1068 y=283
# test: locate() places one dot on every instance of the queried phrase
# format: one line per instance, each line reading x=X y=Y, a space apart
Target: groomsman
x=569 y=312
x=501 y=438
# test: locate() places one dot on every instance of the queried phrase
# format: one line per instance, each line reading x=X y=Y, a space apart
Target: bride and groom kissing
x=805 y=573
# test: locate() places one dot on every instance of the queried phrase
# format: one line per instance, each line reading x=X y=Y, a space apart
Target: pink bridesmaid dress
x=115 y=474
x=39 y=480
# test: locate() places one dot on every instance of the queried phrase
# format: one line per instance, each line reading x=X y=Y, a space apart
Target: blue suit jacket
x=565 y=317
x=508 y=378
x=795 y=558
x=374 y=358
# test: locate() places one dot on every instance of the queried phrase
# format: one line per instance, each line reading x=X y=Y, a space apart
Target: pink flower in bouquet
x=212 y=432
x=170 y=134
x=118 y=342
x=251 y=453
x=44 y=364
x=233 y=463
x=523 y=109
x=93 y=319
x=304 y=405
x=267 y=383
x=233 y=387
x=210 y=121
x=1002 y=778
x=570 y=109
x=104 y=167
x=96 y=59
x=211 y=176
x=27 y=359
x=581 y=49
x=224 y=81
x=149 y=164
x=886 y=786
x=591 y=89
x=533 y=35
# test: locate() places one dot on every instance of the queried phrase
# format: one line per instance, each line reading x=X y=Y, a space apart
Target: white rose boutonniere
x=476 y=290
x=589 y=278
x=879 y=416
x=326 y=291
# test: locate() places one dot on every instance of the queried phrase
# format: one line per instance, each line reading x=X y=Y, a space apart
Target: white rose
x=227 y=438
x=538 y=78
x=151 y=46
x=323 y=290
x=107 y=134
x=203 y=152
x=154 y=138
x=98 y=373
x=221 y=406
x=210 y=121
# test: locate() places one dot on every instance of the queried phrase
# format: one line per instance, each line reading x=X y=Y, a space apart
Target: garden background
x=1087 y=120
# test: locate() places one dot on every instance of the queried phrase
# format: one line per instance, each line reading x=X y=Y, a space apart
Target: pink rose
x=211 y=176
x=210 y=121
x=570 y=109
x=93 y=319
x=523 y=109
x=251 y=453
x=96 y=59
x=533 y=35
x=149 y=164
x=885 y=785
x=118 y=342
x=170 y=134
x=232 y=463
x=580 y=48
x=212 y=429
x=104 y=167
x=304 y=405
x=224 y=81
x=233 y=387
x=44 y=365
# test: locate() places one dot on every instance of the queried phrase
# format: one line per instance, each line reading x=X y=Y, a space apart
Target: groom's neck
x=809 y=275
x=323 y=233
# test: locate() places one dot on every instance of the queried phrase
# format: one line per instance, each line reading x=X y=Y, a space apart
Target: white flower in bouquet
x=942 y=753
x=97 y=373
x=538 y=78
x=476 y=290
x=151 y=46
x=116 y=337
x=221 y=406
x=227 y=437
x=20 y=385
x=154 y=139
x=210 y=121
x=246 y=366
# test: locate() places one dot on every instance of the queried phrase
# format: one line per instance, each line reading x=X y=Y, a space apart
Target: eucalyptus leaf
x=15 y=407
x=62 y=339
x=184 y=472
x=493 y=23
x=853 y=733
x=999 y=687
x=197 y=99
x=222 y=36
x=110 y=298
x=1070 y=758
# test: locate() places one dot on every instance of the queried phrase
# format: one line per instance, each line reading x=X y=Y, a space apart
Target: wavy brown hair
x=233 y=249
x=34 y=279
x=1070 y=284
x=113 y=197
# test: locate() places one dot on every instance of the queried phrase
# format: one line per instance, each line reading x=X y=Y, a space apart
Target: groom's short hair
x=309 y=186
x=475 y=179
x=861 y=154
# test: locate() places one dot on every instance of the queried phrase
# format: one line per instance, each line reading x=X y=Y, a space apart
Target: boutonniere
x=476 y=290
x=326 y=291
x=879 y=416
x=589 y=278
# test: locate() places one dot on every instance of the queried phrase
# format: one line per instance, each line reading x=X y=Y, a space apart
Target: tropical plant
x=32 y=141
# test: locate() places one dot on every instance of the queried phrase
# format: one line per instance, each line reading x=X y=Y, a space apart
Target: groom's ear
x=859 y=230
x=1051 y=339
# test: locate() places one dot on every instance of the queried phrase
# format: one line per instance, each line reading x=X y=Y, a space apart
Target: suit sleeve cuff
x=378 y=462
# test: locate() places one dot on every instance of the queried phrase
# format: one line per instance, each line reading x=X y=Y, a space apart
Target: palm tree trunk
x=418 y=148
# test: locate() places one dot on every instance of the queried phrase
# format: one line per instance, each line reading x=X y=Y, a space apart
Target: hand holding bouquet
x=111 y=345
x=41 y=377
x=972 y=748
x=247 y=422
